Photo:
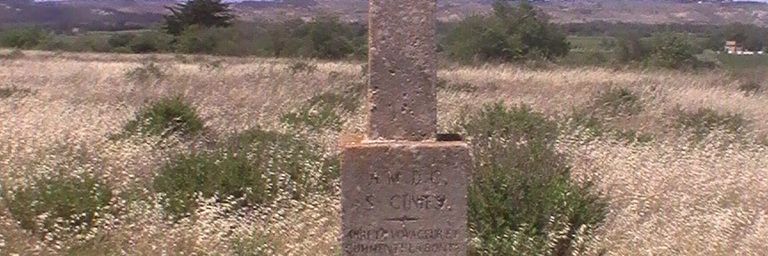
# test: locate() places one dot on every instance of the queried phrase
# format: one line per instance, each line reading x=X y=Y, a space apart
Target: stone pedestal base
x=405 y=198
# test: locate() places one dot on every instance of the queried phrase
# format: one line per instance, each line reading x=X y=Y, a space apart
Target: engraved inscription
x=404 y=200
x=414 y=178
x=387 y=241
x=423 y=202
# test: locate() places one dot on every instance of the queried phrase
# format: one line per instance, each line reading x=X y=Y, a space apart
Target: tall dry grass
x=670 y=196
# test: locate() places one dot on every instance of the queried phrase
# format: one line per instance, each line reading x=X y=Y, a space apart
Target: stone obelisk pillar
x=404 y=192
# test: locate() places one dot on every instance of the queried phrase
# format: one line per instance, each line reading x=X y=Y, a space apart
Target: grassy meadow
x=679 y=157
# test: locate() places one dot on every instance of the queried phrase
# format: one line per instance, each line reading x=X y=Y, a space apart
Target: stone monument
x=403 y=191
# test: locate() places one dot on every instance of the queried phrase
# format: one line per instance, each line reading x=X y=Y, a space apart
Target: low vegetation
x=522 y=191
x=567 y=159
x=148 y=71
x=62 y=205
x=166 y=117
x=618 y=102
x=703 y=121
x=324 y=111
x=256 y=168
x=255 y=182
x=513 y=32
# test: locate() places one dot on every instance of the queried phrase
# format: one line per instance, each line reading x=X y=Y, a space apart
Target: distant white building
x=736 y=48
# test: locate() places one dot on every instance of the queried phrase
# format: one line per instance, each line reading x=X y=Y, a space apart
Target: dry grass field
x=673 y=188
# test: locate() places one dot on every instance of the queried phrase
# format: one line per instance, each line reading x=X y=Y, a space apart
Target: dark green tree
x=670 y=50
x=328 y=38
x=513 y=32
x=204 y=13
x=630 y=48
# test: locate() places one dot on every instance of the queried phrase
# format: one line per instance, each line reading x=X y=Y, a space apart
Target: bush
x=147 y=42
x=619 y=102
x=522 y=193
x=120 y=40
x=166 y=117
x=257 y=166
x=672 y=51
x=71 y=203
x=328 y=38
x=588 y=121
x=630 y=48
x=704 y=120
x=200 y=40
x=89 y=43
x=513 y=33
x=24 y=37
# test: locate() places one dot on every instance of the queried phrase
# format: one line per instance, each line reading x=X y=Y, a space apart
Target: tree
x=630 y=48
x=672 y=51
x=512 y=33
x=327 y=38
x=204 y=13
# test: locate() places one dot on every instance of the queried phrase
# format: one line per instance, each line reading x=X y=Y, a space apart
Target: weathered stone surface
x=405 y=198
x=402 y=62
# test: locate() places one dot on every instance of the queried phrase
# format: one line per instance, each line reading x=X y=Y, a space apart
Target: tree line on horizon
x=513 y=32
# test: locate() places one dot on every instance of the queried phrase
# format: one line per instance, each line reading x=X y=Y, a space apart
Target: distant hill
x=561 y=11
x=65 y=16
x=112 y=13
x=578 y=11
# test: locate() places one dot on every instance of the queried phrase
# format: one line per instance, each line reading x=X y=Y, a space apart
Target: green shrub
x=256 y=166
x=324 y=111
x=199 y=40
x=328 y=38
x=148 y=71
x=71 y=203
x=89 y=43
x=619 y=101
x=672 y=51
x=588 y=120
x=152 y=41
x=169 y=116
x=521 y=191
x=631 y=48
x=705 y=120
x=120 y=40
x=24 y=37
